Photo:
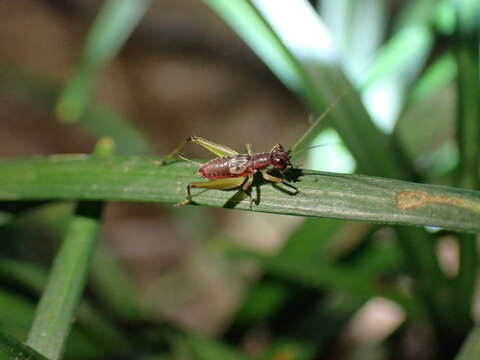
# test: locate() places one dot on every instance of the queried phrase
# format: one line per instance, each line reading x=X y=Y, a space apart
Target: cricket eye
x=278 y=162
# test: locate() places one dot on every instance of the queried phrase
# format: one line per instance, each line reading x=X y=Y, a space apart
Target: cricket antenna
x=329 y=108
x=297 y=152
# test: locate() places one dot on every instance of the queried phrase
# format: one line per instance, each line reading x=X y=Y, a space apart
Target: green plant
x=328 y=269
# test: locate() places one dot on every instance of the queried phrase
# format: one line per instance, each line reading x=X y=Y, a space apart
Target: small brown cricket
x=232 y=169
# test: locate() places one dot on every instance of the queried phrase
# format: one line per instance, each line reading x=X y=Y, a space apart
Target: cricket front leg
x=219 y=184
x=278 y=180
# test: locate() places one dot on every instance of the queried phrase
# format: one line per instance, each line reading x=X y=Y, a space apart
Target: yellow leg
x=220 y=184
x=248 y=183
x=190 y=161
x=249 y=149
x=246 y=186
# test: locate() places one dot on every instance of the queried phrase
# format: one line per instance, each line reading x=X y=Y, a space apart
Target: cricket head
x=280 y=157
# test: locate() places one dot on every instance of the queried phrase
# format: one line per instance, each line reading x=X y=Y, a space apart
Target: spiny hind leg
x=190 y=160
x=219 y=184
x=278 y=180
x=217 y=149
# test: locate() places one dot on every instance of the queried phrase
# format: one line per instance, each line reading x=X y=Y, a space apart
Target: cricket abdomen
x=234 y=166
x=219 y=168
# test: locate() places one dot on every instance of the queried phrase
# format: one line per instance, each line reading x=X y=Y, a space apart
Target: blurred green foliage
x=412 y=68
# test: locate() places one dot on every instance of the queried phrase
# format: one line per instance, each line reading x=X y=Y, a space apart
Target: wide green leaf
x=322 y=194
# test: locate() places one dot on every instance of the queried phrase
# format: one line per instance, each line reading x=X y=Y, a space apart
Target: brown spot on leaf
x=411 y=199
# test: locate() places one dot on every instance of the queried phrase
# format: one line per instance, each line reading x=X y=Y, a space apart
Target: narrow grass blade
x=357 y=38
x=113 y=285
x=354 y=197
x=22 y=273
x=56 y=310
x=471 y=348
x=468 y=124
x=202 y=348
x=114 y=24
x=17 y=313
x=34 y=278
x=311 y=240
x=285 y=349
x=101 y=121
x=16 y=350
x=98 y=120
x=432 y=101
x=468 y=135
x=428 y=279
x=438 y=75
x=358 y=283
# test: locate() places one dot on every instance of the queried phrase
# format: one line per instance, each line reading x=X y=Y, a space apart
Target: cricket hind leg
x=217 y=149
x=190 y=160
x=219 y=184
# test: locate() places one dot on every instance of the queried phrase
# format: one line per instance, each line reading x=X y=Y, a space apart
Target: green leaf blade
x=354 y=197
x=16 y=350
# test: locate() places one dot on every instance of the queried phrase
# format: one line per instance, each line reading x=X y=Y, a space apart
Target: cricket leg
x=217 y=149
x=190 y=161
x=220 y=184
x=249 y=149
x=278 y=180
x=246 y=185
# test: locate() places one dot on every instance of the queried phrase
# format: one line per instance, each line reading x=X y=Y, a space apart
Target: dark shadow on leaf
x=236 y=199
x=259 y=195
x=293 y=174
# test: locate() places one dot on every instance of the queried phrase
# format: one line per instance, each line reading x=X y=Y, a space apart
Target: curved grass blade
x=34 y=278
x=471 y=348
x=114 y=24
x=354 y=197
x=16 y=350
x=357 y=38
x=202 y=348
x=56 y=310
x=17 y=313
x=468 y=135
x=98 y=120
x=109 y=280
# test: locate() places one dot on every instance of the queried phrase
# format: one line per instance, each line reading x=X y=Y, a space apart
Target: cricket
x=234 y=170
x=231 y=169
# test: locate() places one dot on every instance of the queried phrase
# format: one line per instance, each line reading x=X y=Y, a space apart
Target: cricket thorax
x=238 y=165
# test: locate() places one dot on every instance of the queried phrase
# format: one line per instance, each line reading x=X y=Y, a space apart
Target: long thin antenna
x=297 y=152
x=329 y=108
